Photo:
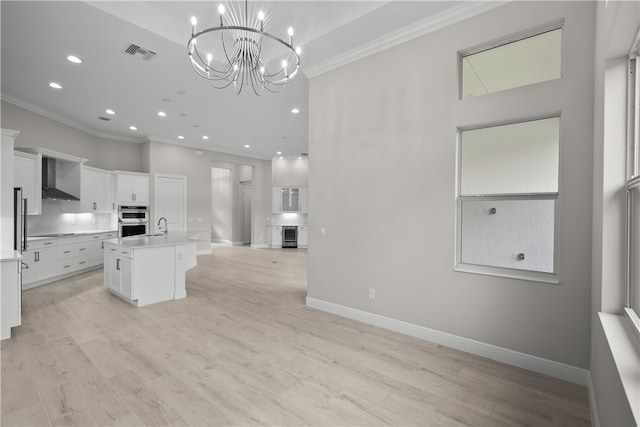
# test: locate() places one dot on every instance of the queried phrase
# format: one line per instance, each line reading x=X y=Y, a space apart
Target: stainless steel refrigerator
x=19 y=220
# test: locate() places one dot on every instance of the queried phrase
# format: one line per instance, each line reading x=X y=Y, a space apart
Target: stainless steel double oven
x=133 y=220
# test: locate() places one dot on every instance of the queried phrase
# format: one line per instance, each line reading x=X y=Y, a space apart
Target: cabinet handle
x=112 y=250
x=96 y=237
x=48 y=243
x=133 y=196
x=101 y=245
x=66 y=266
x=82 y=262
x=25 y=265
x=37 y=257
x=83 y=249
x=67 y=252
x=95 y=206
x=118 y=264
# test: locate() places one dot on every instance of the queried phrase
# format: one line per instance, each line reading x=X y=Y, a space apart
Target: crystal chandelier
x=233 y=53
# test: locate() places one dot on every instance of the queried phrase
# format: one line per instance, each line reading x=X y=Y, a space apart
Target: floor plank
x=243 y=349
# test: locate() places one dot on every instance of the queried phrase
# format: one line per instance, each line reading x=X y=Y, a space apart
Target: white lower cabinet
x=303 y=236
x=118 y=271
x=46 y=260
x=276 y=236
x=10 y=296
x=39 y=264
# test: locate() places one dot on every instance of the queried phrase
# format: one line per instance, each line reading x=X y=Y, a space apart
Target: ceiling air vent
x=106 y=119
x=139 y=52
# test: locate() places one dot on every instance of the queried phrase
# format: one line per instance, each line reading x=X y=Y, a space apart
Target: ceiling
x=38 y=36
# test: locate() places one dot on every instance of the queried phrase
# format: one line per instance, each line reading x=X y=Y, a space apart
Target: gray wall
x=617 y=25
x=382 y=184
x=290 y=172
x=178 y=160
x=37 y=131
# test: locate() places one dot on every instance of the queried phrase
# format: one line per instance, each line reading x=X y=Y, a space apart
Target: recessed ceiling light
x=205 y=137
x=180 y=137
x=109 y=111
x=247 y=146
x=299 y=158
x=295 y=111
x=133 y=128
x=55 y=85
x=162 y=114
x=279 y=152
x=281 y=158
x=74 y=59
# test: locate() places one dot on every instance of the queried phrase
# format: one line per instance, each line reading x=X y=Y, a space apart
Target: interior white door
x=171 y=196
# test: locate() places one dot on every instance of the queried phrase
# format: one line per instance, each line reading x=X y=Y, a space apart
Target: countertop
x=10 y=256
x=62 y=235
x=173 y=238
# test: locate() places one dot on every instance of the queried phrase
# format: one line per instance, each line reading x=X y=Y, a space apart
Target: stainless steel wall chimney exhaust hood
x=49 y=188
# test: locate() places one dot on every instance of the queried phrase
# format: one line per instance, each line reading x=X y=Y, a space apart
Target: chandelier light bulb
x=242 y=40
x=194 y=21
x=298 y=50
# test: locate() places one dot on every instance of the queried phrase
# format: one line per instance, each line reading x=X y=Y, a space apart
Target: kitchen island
x=149 y=269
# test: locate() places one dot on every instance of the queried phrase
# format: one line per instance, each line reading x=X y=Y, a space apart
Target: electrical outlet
x=372 y=293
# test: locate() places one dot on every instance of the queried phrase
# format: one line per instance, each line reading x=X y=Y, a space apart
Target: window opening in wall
x=633 y=188
x=507 y=201
x=520 y=61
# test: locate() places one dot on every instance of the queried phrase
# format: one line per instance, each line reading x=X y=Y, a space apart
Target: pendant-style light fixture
x=232 y=53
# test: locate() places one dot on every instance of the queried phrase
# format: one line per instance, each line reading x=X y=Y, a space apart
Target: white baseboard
x=203 y=252
x=522 y=360
x=259 y=246
x=228 y=242
x=595 y=418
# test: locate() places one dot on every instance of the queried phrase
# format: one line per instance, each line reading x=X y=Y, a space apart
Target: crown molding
x=428 y=25
x=48 y=114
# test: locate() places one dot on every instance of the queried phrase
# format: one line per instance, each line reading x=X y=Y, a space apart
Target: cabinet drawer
x=119 y=251
x=41 y=244
x=72 y=251
x=73 y=264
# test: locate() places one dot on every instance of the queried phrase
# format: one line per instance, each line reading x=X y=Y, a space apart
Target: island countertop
x=172 y=238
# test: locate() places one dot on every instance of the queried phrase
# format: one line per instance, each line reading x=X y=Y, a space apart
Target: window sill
x=624 y=344
x=533 y=276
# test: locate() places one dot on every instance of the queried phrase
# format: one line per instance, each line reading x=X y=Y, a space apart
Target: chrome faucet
x=166 y=228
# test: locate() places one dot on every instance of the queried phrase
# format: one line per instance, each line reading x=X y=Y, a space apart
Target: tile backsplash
x=54 y=220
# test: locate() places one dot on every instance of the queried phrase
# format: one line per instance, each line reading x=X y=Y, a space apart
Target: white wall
x=39 y=131
x=290 y=172
x=178 y=160
x=382 y=183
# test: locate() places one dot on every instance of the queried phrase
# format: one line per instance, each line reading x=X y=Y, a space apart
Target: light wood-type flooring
x=242 y=349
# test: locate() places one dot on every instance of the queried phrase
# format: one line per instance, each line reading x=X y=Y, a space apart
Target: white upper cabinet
x=98 y=191
x=132 y=187
x=289 y=199
x=27 y=173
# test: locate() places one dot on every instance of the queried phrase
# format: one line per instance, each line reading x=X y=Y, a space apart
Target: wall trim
x=259 y=246
x=515 y=358
x=204 y=252
x=416 y=29
x=593 y=407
